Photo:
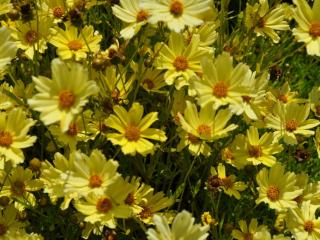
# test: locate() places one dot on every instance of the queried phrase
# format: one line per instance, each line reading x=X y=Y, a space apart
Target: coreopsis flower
x=265 y=21
x=222 y=84
x=14 y=127
x=258 y=150
x=18 y=185
x=183 y=227
x=290 y=119
x=177 y=13
x=308 y=29
x=152 y=79
x=56 y=9
x=107 y=207
x=180 y=59
x=74 y=43
x=314 y=98
x=302 y=222
x=207 y=219
x=6 y=102
x=8 y=50
x=277 y=188
x=134 y=130
x=61 y=98
x=227 y=153
x=252 y=232
x=311 y=190
x=317 y=141
x=90 y=174
x=32 y=36
x=228 y=184
x=5 y=6
x=204 y=126
x=131 y=13
x=284 y=95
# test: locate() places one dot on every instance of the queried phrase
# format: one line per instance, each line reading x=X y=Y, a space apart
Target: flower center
x=5 y=139
x=181 y=63
x=66 y=99
x=261 y=23
x=283 y=98
x=273 y=193
x=246 y=99
x=227 y=154
x=142 y=15
x=132 y=133
x=3 y=229
x=145 y=213
x=104 y=205
x=149 y=83
x=247 y=236
x=193 y=139
x=220 y=90
x=75 y=45
x=18 y=187
x=31 y=37
x=95 y=181
x=130 y=199
x=318 y=109
x=314 y=29
x=292 y=125
x=73 y=130
x=176 y=8
x=213 y=183
x=58 y=11
x=255 y=151
x=227 y=182
x=204 y=130
x=308 y=226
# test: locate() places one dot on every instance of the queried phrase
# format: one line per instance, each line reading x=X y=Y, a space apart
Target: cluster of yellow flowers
x=144 y=80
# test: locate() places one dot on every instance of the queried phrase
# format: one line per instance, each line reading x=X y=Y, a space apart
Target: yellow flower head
x=8 y=50
x=61 y=98
x=253 y=231
x=314 y=98
x=134 y=130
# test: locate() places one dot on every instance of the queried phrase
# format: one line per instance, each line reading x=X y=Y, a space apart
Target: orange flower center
x=181 y=63
x=130 y=199
x=115 y=94
x=66 y=99
x=227 y=182
x=308 y=226
x=95 y=181
x=58 y=11
x=220 y=90
x=292 y=125
x=204 y=130
x=142 y=15
x=31 y=37
x=193 y=139
x=246 y=99
x=3 y=229
x=255 y=151
x=132 y=133
x=283 y=98
x=75 y=45
x=5 y=139
x=247 y=236
x=261 y=23
x=228 y=154
x=314 y=29
x=73 y=130
x=104 y=205
x=176 y=8
x=18 y=187
x=273 y=193
x=145 y=213
x=149 y=83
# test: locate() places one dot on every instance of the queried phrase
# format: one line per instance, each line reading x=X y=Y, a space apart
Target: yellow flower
x=207 y=219
x=56 y=8
x=5 y=6
x=317 y=141
x=302 y=222
x=252 y=232
x=18 y=185
x=308 y=30
x=222 y=84
x=8 y=50
x=284 y=95
x=62 y=98
x=228 y=183
x=277 y=188
x=290 y=119
x=266 y=21
x=183 y=227
x=202 y=127
x=134 y=130
x=14 y=127
x=314 y=98
x=258 y=150
x=32 y=36
x=72 y=43
x=180 y=59
x=152 y=79
x=176 y=13
x=131 y=13
x=311 y=190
